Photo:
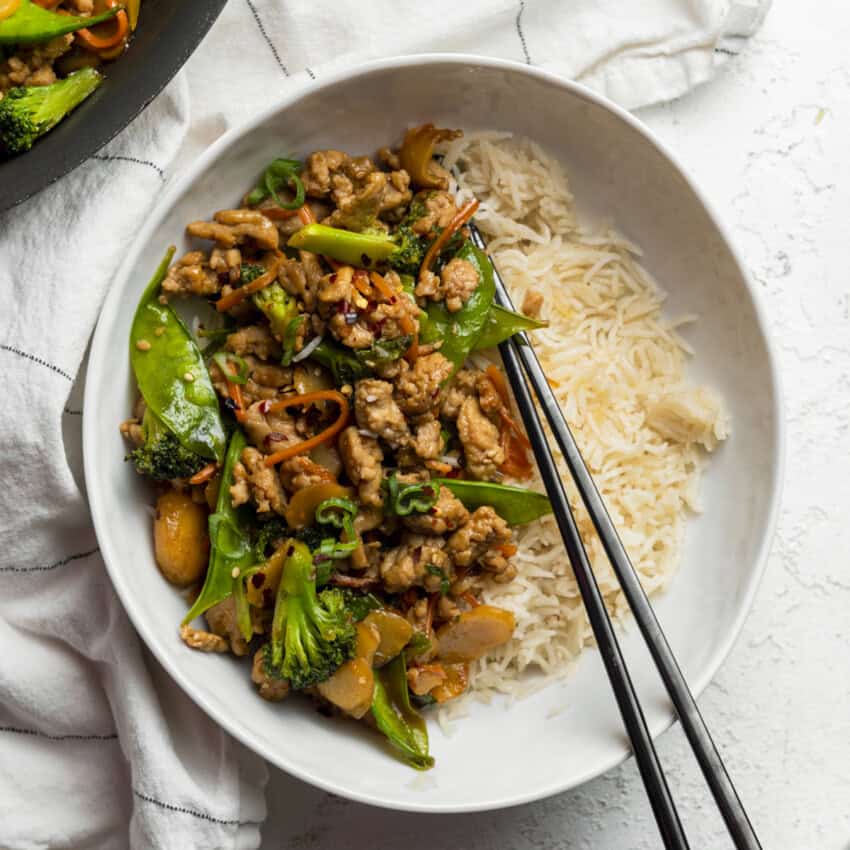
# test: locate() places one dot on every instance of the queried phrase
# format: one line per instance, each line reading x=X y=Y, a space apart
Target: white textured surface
x=768 y=142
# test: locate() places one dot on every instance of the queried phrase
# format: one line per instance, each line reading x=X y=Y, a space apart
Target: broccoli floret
x=162 y=457
x=277 y=305
x=410 y=250
x=269 y=536
x=313 y=633
x=28 y=112
x=249 y=272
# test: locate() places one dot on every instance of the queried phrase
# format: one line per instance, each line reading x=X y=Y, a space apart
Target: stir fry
x=50 y=52
x=332 y=469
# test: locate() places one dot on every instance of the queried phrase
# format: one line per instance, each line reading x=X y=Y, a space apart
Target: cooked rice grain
x=617 y=367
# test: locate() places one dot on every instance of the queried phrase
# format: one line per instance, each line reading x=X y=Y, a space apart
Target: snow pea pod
x=171 y=373
x=399 y=721
x=31 y=24
x=502 y=324
x=515 y=505
x=460 y=331
x=230 y=539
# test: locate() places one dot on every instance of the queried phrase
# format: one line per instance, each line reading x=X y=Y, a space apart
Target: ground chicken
x=439 y=208
x=377 y=411
x=447 y=515
x=458 y=279
x=416 y=561
x=300 y=472
x=418 y=388
x=221 y=619
x=488 y=397
x=481 y=442
x=362 y=458
x=270 y=687
x=269 y=431
x=360 y=192
x=356 y=334
x=532 y=304
x=461 y=388
x=192 y=275
x=301 y=278
x=484 y=530
x=256 y=340
x=397 y=317
x=428 y=439
x=236 y=227
x=227 y=264
x=203 y=641
x=255 y=481
x=337 y=286
x=33 y=66
x=455 y=285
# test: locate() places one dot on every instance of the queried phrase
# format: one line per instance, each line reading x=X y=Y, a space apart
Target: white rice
x=618 y=369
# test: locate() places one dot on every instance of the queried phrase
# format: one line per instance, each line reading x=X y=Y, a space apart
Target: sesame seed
x=234 y=573
x=143 y=345
x=371 y=399
x=189 y=377
x=345 y=389
x=159 y=331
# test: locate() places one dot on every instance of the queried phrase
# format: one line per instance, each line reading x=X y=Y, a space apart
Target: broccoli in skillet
x=162 y=456
x=26 y=113
x=313 y=633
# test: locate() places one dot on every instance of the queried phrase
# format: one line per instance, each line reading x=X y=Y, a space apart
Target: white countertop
x=768 y=142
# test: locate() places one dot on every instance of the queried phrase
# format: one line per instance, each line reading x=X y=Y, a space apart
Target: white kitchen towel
x=97 y=748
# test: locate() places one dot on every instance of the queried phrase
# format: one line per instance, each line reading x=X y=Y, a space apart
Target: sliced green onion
x=405 y=499
x=288 y=341
x=222 y=358
x=336 y=511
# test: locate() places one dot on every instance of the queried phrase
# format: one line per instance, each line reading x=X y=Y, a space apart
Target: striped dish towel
x=97 y=748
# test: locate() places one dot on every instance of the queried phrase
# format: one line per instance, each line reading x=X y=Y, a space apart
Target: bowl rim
x=97 y=364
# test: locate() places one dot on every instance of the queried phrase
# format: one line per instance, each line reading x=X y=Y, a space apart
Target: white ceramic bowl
x=501 y=754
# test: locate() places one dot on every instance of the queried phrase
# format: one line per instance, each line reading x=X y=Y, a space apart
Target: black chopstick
x=519 y=350
x=627 y=700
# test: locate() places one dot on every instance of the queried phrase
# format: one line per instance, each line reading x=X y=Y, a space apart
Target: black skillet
x=167 y=34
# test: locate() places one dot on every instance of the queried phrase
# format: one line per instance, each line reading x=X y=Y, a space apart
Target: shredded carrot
x=204 y=474
x=405 y=320
x=382 y=286
x=306 y=215
x=235 y=392
x=461 y=218
x=122 y=29
x=361 y=283
x=514 y=442
x=499 y=383
x=470 y=599
x=324 y=436
x=238 y=295
x=508 y=549
x=413 y=352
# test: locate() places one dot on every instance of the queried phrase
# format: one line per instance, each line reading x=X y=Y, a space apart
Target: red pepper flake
x=274 y=437
x=264 y=406
x=290 y=550
x=257 y=579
